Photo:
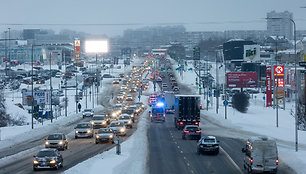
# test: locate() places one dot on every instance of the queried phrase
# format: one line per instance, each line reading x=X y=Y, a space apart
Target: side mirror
x=45 y=139
x=243 y=150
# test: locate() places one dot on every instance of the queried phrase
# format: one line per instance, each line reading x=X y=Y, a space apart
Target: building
x=280 y=25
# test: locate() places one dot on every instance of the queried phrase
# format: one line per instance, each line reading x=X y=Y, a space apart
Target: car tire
x=217 y=152
x=131 y=127
x=35 y=169
x=96 y=142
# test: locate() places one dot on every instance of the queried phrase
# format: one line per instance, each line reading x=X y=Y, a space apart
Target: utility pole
x=51 y=92
x=76 y=93
x=217 y=84
x=66 y=102
x=32 y=60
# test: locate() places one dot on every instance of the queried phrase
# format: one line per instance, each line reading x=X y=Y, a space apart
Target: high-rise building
x=279 y=24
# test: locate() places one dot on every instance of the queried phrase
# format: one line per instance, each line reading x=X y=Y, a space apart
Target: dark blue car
x=208 y=144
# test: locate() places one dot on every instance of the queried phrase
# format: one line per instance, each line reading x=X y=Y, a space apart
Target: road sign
x=225 y=102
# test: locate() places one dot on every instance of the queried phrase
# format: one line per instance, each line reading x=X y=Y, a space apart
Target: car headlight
x=35 y=162
x=60 y=142
x=92 y=122
x=111 y=136
x=114 y=115
x=103 y=122
x=52 y=161
x=91 y=113
x=88 y=131
x=122 y=130
x=84 y=114
x=76 y=132
x=46 y=143
x=201 y=146
x=129 y=122
x=97 y=136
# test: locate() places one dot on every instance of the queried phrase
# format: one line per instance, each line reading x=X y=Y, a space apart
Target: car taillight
x=251 y=161
x=181 y=123
x=186 y=131
x=198 y=131
x=196 y=123
x=276 y=161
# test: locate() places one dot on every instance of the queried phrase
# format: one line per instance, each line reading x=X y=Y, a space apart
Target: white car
x=118 y=127
x=126 y=118
x=129 y=98
x=123 y=87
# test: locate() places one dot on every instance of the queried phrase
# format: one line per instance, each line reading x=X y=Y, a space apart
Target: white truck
x=261 y=155
x=169 y=102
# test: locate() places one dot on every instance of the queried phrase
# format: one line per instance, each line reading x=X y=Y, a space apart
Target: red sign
x=268 y=87
x=279 y=70
x=242 y=80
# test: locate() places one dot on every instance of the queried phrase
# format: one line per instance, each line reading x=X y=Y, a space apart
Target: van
x=261 y=155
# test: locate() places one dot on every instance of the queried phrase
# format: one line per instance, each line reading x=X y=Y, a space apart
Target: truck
x=158 y=112
x=169 y=102
x=187 y=110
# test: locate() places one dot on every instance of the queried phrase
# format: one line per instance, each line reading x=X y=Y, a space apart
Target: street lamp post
x=295 y=79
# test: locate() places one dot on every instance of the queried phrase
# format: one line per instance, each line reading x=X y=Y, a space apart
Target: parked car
x=88 y=113
x=208 y=144
x=118 y=127
x=83 y=129
x=191 y=132
x=47 y=158
x=105 y=135
x=56 y=140
x=261 y=155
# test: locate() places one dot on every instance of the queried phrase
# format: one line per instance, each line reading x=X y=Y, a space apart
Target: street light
x=295 y=79
x=96 y=46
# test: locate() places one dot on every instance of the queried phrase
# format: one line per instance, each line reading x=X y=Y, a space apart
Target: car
x=116 y=81
x=47 y=158
x=130 y=112
x=99 y=121
x=118 y=127
x=127 y=120
x=56 y=140
x=133 y=89
x=191 y=132
x=58 y=75
x=208 y=144
x=164 y=85
x=159 y=79
x=129 y=98
x=176 y=90
x=40 y=81
x=105 y=135
x=107 y=76
x=120 y=97
x=121 y=92
x=88 y=113
x=83 y=129
x=123 y=87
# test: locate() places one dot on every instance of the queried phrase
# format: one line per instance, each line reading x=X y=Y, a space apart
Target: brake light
x=251 y=161
x=276 y=161
x=198 y=131
x=196 y=123
x=181 y=123
x=186 y=131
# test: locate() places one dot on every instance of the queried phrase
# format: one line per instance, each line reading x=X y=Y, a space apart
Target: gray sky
x=198 y=15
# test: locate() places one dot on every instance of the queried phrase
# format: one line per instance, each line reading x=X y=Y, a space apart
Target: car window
x=46 y=153
x=192 y=128
x=87 y=125
x=117 y=124
x=100 y=131
x=99 y=118
x=87 y=110
x=124 y=117
x=208 y=140
x=55 y=137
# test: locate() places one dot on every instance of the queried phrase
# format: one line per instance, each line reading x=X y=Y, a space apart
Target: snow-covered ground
x=258 y=120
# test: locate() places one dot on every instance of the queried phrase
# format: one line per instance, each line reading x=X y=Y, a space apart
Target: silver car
x=99 y=121
x=105 y=135
x=118 y=127
x=88 y=113
x=84 y=129
x=56 y=140
x=126 y=119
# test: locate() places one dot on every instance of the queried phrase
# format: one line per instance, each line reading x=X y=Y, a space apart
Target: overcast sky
x=197 y=15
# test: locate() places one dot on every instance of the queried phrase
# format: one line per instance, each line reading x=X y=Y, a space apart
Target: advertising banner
x=40 y=97
x=251 y=53
x=268 y=86
x=242 y=80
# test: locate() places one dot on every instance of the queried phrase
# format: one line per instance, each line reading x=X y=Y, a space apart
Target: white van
x=261 y=155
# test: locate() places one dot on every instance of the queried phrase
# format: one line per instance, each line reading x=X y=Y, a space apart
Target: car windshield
x=124 y=117
x=99 y=118
x=85 y=125
x=117 y=124
x=208 y=140
x=192 y=128
x=45 y=153
x=157 y=110
x=127 y=111
x=87 y=110
x=55 y=137
x=101 y=131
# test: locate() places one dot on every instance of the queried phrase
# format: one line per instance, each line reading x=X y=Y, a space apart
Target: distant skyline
x=113 y=17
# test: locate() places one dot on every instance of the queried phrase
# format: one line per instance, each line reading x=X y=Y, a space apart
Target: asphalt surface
x=169 y=153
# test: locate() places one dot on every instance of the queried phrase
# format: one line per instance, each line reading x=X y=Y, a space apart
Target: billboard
x=242 y=80
x=77 y=49
x=41 y=97
x=269 y=86
x=251 y=53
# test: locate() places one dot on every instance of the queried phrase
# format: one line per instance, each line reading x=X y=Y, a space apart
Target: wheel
x=75 y=137
x=131 y=127
x=66 y=146
x=34 y=168
x=62 y=164
x=113 y=142
x=217 y=152
x=97 y=142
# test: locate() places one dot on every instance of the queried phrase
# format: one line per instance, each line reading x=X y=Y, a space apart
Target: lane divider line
x=231 y=160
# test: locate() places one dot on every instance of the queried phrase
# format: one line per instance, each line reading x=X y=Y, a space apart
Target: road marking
x=231 y=160
x=181 y=151
x=188 y=164
x=178 y=146
x=191 y=171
